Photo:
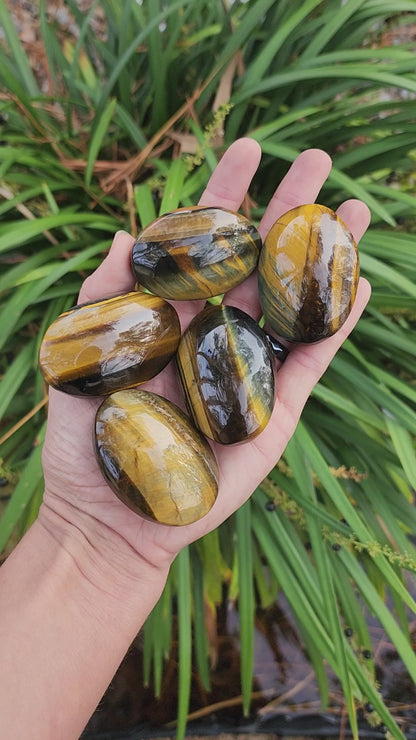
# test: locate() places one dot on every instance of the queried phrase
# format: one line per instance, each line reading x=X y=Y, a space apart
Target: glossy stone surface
x=154 y=460
x=97 y=348
x=308 y=274
x=226 y=369
x=195 y=253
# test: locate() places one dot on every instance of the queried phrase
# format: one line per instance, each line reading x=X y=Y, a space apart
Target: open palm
x=74 y=486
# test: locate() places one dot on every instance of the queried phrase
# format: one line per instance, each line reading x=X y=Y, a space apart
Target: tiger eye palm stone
x=226 y=369
x=153 y=458
x=195 y=252
x=97 y=348
x=308 y=274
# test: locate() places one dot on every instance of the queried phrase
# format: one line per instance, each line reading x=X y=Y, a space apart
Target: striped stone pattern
x=195 y=253
x=308 y=274
x=154 y=460
x=111 y=344
x=226 y=370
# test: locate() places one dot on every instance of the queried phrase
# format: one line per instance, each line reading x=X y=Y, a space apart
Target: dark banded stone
x=308 y=274
x=195 y=252
x=153 y=459
x=97 y=348
x=226 y=369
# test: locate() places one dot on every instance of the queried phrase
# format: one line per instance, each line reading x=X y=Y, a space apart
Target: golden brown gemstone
x=153 y=459
x=195 y=253
x=97 y=348
x=308 y=274
x=226 y=368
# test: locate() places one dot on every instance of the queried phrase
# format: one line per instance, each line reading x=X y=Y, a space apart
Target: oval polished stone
x=97 y=348
x=195 y=253
x=153 y=459
x=226 y=369
x=308 y=274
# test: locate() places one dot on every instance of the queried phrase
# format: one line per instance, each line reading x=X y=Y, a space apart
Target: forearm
x=64 y=628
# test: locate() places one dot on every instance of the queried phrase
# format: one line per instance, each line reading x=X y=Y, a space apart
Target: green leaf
x=97 y=136
x=259 y=66
x=346 y=509
x=200 y=633
x=21 y=232
x=375 y=267
x=245 y=602
x=184 y=640
x=173 y=187
x=27 y=294
x=15 y=375
x=215 y=570
x=354 y=188
x=124 y=58
x=144 y=203
x=17 y=51
x=330 y=28
x=376 y=605
x=267 y=586
x=298 y=462
x=31 y=476
x=405 y=448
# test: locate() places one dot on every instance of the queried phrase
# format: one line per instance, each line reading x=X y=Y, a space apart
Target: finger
x=356 y=216
x=300 y=185
x=114 y=275
x=231 y=179
x=226 y=188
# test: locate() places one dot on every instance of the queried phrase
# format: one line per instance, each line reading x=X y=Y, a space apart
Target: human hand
x=75 y=491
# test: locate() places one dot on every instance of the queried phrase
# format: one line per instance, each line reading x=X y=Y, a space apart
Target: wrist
x=70 y=613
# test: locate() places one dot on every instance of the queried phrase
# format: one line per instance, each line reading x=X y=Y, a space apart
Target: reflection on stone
x=308 y=274
x=107 y=345
x=195 y=253
x=226 y=369
x=153 y=458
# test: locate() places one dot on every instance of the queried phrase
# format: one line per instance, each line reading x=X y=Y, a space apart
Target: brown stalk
x=23 y=420
x=236 y=700
x=131 y=207
x=26 y=213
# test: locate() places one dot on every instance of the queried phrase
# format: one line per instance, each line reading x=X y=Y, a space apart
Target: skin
x=80 y=584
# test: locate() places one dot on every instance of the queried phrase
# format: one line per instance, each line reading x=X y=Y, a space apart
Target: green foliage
x=99 y=151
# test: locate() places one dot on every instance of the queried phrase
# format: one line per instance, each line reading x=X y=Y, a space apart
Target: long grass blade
x=184 y=640
x=245 y=602
x=15 y=376
x=21 y=232
x=29 y=480
x=405 y=448
x=200 y=632
x=338 y=497
x=173 y=187
x=297 y=460
x=20 y=58
x=97 y=136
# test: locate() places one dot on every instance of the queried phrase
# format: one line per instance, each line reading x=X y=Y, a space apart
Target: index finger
x=231 y=178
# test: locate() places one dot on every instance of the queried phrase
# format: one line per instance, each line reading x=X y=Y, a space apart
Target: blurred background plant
x=111 y=113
